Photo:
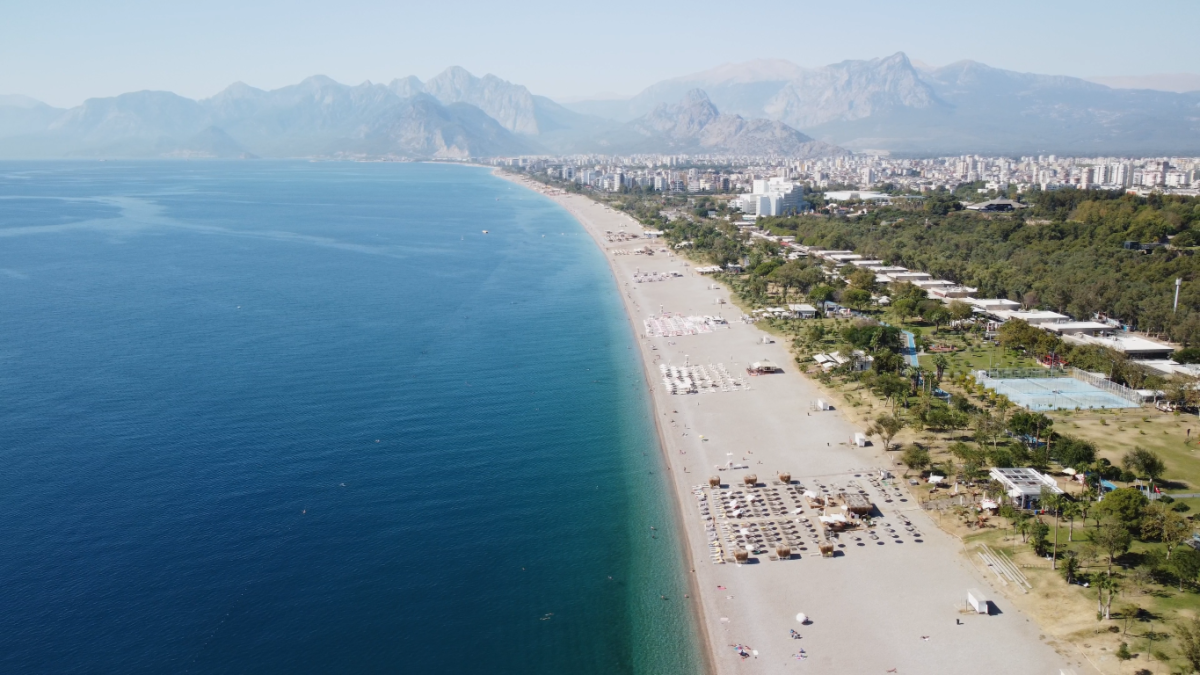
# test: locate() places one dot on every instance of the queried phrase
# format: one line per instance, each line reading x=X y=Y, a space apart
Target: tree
x=936 y=315
x=904 y=308
x=1128 y=612
x=988 y=428
x=1113 y=539
x=915 y=457
x=941 y=363
x=891 y=386
x=1054 y=502
x=1125 y=505
x=1070 y=567
x=1164 y=524
x=856 y=298
x=1071 y=510
x=959 y=310
x=821 y=294
x=862 y=278
x=1188 y=632
x=1144 y=462
x=1023 y=523
x=1073 y=452
x=1106 y=586
x=1184 y=565
x=790 y=275
x=886 y=427
x=1037 y=536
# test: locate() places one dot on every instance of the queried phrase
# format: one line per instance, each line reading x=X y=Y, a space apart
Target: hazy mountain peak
x=696 y=125
x=19 y=101
x=405 y=87
x=509 y=104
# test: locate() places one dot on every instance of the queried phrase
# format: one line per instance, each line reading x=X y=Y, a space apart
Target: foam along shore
x=889 y=599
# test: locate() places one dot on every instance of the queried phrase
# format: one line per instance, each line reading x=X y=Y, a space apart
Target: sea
x=303 y=417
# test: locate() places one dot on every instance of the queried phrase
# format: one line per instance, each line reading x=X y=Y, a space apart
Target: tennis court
x=1055 y=393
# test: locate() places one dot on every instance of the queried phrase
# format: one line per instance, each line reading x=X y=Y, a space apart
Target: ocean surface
x=268 y=417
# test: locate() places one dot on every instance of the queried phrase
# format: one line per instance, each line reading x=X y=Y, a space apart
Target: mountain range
x=893 y=105
x=757 y=108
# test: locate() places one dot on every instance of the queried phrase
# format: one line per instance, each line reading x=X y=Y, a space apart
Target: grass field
x=1116 y=432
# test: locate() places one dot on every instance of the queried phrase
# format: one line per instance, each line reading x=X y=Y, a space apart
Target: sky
x=63 y=52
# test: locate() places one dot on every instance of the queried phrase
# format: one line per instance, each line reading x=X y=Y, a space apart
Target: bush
x=1123 y=652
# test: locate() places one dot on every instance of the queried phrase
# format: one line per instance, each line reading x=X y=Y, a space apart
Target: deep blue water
x=308 y=418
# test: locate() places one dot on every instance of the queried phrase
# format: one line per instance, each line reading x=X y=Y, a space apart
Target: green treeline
x=1065 y=253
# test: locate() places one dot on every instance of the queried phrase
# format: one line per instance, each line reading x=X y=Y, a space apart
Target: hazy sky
x=64 y=52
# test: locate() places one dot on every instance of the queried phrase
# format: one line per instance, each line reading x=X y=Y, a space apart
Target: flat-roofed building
x=910 y=277
x=989 y=304
x=1077 y=327
x=1034 y=318
x=1132 y=346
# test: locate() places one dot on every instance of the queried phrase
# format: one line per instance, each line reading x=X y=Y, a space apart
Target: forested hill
x=1065 y=253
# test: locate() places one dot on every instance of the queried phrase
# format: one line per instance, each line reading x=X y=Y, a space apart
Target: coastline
x=901 y=594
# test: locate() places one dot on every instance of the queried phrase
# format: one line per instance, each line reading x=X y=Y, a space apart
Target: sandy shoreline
x=890 y=604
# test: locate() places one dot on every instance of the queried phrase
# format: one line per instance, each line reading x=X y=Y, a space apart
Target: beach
x=889 y=601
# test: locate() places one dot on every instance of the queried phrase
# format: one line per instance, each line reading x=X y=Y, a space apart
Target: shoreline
x=898 y=594
x=704 y=640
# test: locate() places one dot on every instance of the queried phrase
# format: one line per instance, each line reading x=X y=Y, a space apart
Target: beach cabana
x=750 y=479
x=783 y=551
x=715 y=481
x=857 y=504
x=763 y=367
x=785 y=477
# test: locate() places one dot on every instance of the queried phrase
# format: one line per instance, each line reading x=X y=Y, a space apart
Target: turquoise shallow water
x=294 y=417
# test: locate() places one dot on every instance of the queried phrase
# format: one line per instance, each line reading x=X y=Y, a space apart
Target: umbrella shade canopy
x=802 y=618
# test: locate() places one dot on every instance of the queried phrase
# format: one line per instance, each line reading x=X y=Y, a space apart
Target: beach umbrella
x=802 y=618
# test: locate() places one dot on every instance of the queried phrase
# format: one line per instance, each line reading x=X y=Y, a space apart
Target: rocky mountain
x=548 y=124
x=317 y=117
x=739 y=89
x=452 y=115
x=696 y=126
x=892 y=105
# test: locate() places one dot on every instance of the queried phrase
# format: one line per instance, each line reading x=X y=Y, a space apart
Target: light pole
x=1175 y=308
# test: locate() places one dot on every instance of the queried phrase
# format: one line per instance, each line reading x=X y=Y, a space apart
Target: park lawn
x=981 y=357
x=1068 y=612
x=1116 y=432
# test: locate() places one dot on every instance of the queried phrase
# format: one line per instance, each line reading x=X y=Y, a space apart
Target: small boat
x=485 y=231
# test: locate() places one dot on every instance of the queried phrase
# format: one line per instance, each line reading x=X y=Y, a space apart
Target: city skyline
x=63 y=53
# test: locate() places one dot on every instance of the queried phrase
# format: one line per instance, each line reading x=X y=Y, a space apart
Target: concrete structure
x=856 y=195
x=911 y=277
x=997 y=205
x=1033 y=318
x=1024 y=486
x=991 y=304
x=804 y=311
x=774 y=197
x=1130 y=345
x=1077 y=327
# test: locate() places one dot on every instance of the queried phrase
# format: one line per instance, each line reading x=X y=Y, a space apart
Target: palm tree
x=1054 y=502
x=941 y=363
x=1071 y=510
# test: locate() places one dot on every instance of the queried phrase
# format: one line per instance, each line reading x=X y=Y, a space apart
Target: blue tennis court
x=1055 y=393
